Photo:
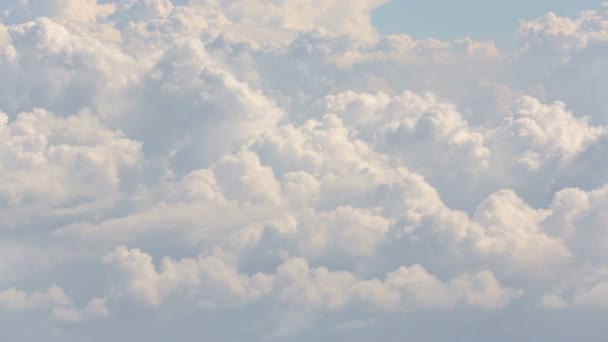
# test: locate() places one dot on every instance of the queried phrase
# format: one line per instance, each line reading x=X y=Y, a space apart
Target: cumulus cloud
x=209 y=280
x=213 y=280
x=54 y=299
x=79 y=10
x=57 y=165
x=13 y=299
x=280 y=164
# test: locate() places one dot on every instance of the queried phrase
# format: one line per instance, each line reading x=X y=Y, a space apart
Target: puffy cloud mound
x=232 y=170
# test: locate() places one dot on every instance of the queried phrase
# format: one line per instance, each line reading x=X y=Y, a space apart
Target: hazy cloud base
x=277 y=170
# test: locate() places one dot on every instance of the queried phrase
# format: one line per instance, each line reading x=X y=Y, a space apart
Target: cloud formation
x=231 y=170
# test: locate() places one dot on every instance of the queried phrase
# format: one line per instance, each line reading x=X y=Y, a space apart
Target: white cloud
x=95 y=309
x=351 y=17
x=79 y=10
x=17 y=300
x=547 y=132
x=49 y=162
x=282 y=157
x=211 y=281
x=512 y=229
x=415 y=128
x=578 y=218
x=567 y=33
x=55 y=301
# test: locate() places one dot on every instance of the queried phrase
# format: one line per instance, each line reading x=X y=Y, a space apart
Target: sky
x=297 y=170
x=478 y=19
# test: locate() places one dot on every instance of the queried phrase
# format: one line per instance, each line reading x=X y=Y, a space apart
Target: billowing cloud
x=280 y=170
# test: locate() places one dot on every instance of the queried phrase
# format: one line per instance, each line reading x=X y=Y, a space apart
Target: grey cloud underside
x=276 y=170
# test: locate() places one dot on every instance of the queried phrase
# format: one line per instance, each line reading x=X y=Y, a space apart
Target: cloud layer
x=253 y=170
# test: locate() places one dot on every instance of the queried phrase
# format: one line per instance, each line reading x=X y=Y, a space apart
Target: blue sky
x=479 y=19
